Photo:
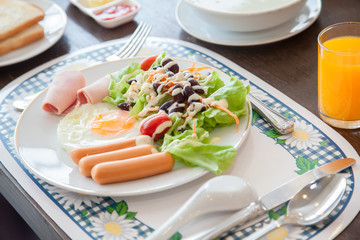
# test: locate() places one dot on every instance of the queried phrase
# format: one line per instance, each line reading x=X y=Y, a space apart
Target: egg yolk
x=112 y=123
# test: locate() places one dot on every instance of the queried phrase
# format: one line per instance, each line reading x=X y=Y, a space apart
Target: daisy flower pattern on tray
x=114 y=227
x=304 y=136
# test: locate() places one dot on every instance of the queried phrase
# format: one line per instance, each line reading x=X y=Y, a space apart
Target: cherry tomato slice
x=147 y=62
x=156 y=126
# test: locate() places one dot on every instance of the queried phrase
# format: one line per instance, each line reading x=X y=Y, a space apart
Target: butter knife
x=276 y=197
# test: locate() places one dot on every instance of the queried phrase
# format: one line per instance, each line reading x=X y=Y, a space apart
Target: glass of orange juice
x=339 y=75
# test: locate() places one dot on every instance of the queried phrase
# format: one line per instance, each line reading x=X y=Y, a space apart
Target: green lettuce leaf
x=139 y=106
x=198 y=152
x=118 y=87
x=213 y=85
x=235 y=94
x=158 y=60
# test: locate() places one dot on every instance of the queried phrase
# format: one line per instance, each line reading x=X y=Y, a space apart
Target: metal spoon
x=311 y=205
x=222 y=193
x=280 y=123
x=20 y=105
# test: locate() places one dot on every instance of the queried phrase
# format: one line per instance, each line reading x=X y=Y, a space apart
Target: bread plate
x=54 y=24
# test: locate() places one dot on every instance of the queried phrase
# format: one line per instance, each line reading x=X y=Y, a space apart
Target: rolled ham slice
x=61 y=95
x=94 y=92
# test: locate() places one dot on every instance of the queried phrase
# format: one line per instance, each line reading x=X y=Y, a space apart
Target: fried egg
x=94 y=124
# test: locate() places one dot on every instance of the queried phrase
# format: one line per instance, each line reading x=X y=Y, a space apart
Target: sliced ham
x=61 y=95
x=94 y=92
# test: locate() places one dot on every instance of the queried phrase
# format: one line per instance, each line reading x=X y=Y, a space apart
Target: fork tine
x=138 y=43
x=131 y=40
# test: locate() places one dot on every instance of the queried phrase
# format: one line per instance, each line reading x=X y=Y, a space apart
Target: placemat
x=265 y=160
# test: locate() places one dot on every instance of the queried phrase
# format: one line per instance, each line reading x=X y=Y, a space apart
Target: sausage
x=79 y=153
x=132 y=168
x=88 y=162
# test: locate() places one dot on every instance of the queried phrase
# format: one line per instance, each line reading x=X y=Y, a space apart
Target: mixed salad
x=180 y=107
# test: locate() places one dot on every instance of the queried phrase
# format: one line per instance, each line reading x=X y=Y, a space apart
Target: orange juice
x=339 y=78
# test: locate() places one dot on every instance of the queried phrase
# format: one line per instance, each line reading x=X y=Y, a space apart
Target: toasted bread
x=17 y=15
x=29 y=35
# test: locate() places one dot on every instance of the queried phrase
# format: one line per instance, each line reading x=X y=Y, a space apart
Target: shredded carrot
x=197 y=69
x=194 y=127
x=151 y=77
x=132 y=117
x=230 y=113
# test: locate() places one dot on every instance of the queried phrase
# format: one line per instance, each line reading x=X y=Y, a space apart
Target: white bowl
x=246 y=15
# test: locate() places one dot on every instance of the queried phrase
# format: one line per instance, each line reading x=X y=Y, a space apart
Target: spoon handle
x=281 y=123
x=251 y=212
x=267 y=228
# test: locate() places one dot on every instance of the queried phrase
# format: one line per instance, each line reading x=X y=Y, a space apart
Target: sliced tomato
x=147 y=62
x=156 y=125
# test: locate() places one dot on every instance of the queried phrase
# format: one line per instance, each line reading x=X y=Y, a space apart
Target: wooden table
x=289 y=65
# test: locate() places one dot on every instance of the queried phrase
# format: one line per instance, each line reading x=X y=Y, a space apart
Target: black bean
x=177 y=109
x=174 y=68
x=193 y=82
x=131 y=80
x=178 y=96
x=156 y=85
x=181 y=130
x=200 y=91
x=156 y=67
x=165 y=106
x=124 y=106
x=166 y=62
x=188 y=91
x=203 y=109
x=170 y=74
x=177 y=86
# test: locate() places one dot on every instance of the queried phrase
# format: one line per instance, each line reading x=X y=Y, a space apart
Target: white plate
x=37 y=146
x=193 y=25
x=54 y=24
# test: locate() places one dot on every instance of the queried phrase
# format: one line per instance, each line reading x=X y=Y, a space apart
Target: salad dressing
x=165 y=89
x=161 y=128
x=207 y=80
x=212 y=102
x=194 y=98
x=196 y=103
x=169 y=65
x=191 y=111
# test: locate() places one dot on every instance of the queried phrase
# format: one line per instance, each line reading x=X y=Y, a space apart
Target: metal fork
x=134 y=44
x=130 y=49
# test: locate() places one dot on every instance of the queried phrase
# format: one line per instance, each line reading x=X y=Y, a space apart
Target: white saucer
x=54 y=24
x=196 y=27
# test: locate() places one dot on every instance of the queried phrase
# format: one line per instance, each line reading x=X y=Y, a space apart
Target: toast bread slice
x=27 y=36
x=17 y=15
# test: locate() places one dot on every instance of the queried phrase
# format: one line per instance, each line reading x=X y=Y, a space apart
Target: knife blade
x=277 y=197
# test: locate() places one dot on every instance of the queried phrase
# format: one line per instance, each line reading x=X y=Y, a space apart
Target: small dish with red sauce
x=109 y=13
